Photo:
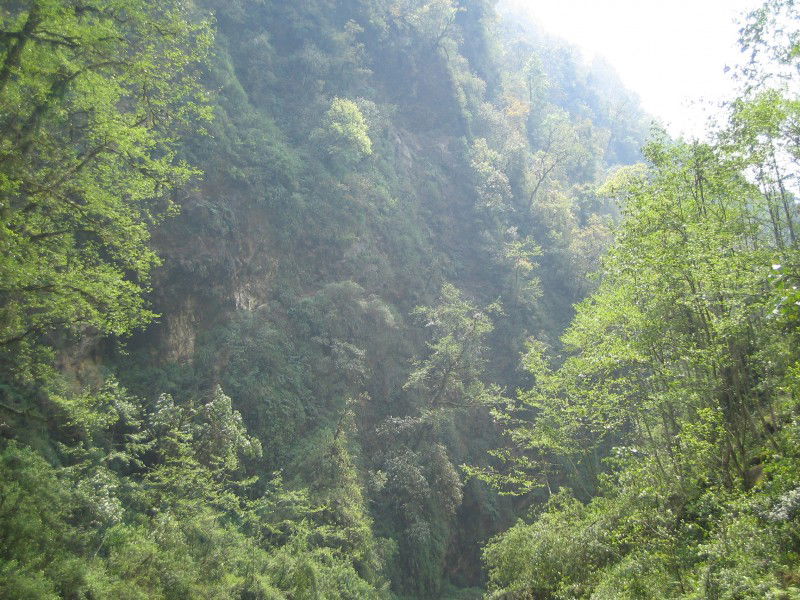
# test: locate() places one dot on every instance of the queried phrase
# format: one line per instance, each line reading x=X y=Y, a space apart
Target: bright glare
x=673 y=53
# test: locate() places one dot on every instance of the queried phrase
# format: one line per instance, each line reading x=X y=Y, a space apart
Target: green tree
x=519 y=254
x=451 y=375
x=344 y=133
x=432 y=22
x=491 y=183
x=669 y=400
x=92 y=97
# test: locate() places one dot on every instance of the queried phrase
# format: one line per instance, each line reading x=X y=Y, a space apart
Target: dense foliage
x=92 y=96
x=268 y=269
x=674 y=413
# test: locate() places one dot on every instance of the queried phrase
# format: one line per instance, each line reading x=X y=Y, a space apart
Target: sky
x=672 y=53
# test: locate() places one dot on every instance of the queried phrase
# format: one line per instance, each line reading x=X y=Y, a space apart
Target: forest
x=392 y=300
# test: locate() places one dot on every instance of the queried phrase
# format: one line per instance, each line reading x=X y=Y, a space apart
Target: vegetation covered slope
x=357 y=162
x=267 y=266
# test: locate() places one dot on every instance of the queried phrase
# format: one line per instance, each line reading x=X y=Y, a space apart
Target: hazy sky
x=671 y=52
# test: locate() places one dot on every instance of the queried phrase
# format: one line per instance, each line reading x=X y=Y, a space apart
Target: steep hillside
x=291 y=276
x=364 y=159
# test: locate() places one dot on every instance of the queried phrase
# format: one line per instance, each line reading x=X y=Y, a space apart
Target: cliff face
x=363 y=154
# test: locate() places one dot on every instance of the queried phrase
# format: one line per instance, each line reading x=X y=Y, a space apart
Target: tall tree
x=92 y=97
